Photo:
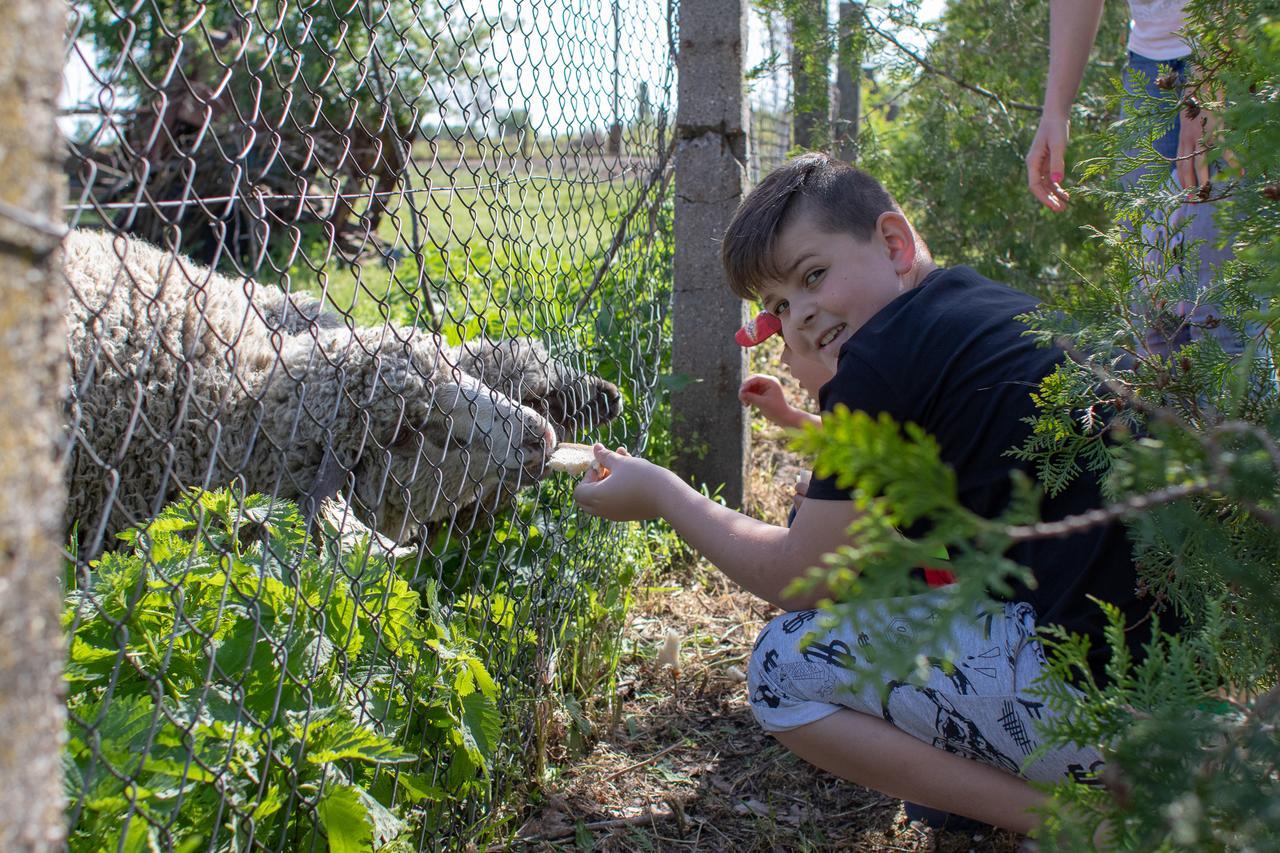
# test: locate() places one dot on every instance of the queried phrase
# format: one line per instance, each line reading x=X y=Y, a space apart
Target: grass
x=478 y=247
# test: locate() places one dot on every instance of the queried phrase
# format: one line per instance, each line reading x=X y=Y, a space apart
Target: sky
x=556 y=63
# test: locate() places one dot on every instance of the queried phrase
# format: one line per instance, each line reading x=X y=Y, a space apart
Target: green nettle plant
x=231 y=682
x=1189 y=445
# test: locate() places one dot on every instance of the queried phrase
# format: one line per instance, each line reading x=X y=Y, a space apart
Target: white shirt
x=1155 y=28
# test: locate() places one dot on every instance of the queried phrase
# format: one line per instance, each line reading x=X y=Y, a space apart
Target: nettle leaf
x=345 y=819
x=481 y=677
x=481 y=726
x=260 y=651
x=336 y=739
x=386 y=826
x=138 y=836
x=416 y=787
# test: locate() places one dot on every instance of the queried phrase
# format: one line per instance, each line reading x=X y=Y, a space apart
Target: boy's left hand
x=632 y=490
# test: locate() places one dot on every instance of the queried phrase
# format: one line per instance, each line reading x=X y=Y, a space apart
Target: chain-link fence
x=339 y=270
x=769 y=93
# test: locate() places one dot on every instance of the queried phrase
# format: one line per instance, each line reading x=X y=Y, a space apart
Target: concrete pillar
x=32 y=380
x=711 y=430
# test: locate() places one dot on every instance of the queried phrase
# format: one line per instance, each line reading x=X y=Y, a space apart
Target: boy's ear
x=899 y=239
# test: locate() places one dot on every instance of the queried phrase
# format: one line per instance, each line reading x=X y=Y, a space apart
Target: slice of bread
x=572 y=458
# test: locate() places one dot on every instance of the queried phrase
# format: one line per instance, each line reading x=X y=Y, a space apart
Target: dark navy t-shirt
x=950 y=356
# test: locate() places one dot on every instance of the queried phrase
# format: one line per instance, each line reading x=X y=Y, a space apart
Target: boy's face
x=834 y=283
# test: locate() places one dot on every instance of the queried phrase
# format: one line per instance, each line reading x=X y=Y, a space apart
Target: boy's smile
x=833 y=283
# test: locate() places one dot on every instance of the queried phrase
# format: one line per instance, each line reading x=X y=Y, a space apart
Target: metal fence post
x=711 y=429
x=32 y=366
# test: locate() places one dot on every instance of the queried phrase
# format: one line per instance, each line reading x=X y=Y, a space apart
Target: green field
x=479 y=248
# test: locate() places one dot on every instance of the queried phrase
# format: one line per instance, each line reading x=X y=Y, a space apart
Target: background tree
x=850 y=44
x=954 y=156
x=810 y=37
x=273 y=105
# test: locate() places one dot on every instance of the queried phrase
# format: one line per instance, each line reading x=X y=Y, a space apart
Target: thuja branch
x=1210 y=439
x=1122 y=509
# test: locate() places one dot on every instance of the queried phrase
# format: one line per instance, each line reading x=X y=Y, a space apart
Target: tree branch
x=1073 y=524
x=659 y=174
x=929 y=68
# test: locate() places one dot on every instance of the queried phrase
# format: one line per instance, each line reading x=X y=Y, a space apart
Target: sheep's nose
x=536 y=441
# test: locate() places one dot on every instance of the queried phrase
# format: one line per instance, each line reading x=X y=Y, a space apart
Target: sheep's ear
x=514 y=367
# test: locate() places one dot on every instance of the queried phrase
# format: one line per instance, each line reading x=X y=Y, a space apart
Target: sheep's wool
x=183 y=377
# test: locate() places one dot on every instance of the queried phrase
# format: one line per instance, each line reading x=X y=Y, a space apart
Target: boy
x=829 y=253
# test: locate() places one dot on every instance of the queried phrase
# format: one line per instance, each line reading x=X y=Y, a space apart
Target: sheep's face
x=577 y=404
x=573 y=401
x=453 y=445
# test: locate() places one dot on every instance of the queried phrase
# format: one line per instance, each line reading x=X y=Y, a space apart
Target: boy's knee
x=785 y=687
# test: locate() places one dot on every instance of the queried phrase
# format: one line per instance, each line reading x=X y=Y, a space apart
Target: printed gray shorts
x=983 y=709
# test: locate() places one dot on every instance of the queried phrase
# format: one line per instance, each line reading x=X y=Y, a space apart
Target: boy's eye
x=779 y=307
x=813 y=278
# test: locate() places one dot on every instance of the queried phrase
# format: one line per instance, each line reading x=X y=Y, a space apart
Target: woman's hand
x=624 y=488
x=1197 y=129
x=765 y=393
x=1046 y=163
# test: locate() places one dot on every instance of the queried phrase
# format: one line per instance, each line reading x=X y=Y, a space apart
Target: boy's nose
x=804 y=314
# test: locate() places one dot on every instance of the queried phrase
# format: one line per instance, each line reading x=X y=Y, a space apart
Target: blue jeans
x=1182 y=255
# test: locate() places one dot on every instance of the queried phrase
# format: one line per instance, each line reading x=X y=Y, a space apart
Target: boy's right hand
x=631 y=490
x=765 y=393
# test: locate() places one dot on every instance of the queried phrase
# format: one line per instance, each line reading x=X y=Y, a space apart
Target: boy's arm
x=761 y=557
x=1073 y=25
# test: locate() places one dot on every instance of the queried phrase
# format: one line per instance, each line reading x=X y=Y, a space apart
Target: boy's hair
x=842 y=199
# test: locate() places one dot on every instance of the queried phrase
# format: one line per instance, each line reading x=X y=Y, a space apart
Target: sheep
x=183 y=377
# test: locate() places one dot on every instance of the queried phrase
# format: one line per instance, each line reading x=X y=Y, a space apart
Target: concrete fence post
x=711 y=430
x=32 y=367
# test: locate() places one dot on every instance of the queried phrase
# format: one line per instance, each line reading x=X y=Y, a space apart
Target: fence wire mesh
x=769 y=95
x=337 y=270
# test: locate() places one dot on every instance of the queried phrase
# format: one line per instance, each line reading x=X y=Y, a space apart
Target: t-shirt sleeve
x=859 y=387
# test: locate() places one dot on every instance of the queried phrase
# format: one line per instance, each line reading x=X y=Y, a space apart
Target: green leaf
x=339 y=739
x=415 y=787
x=138 y=837
x=345 y=819
x=676 y=382
x=481 y=725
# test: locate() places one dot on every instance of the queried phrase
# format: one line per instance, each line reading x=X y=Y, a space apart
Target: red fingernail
x=1056 y=177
